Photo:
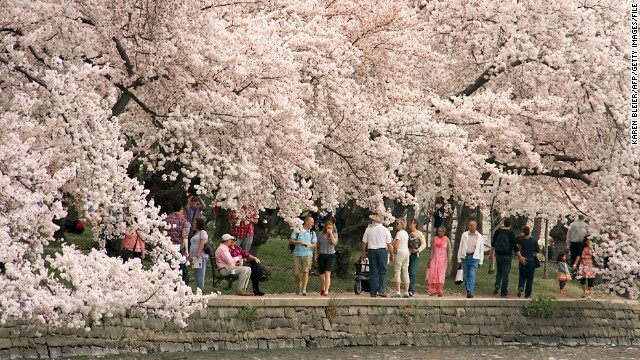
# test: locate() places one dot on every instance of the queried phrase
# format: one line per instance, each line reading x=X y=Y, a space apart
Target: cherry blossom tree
x=278 y=103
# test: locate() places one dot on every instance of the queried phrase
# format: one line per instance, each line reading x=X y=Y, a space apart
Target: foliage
x=541 y=306
x=248 y=313
x=344 y=265
x=331 y=311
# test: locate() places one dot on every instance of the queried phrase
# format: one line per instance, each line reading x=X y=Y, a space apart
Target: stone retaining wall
x=231 y=323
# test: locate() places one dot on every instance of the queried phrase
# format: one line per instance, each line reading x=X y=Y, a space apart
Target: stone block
x=22 y=342
x=290 y=313
x=274 y=312
x=5 y=344
x=448 y=311
x=468 y=329
x=463 y=340
x=158 y=324
x=282 y=323
x=227 y=312
x=303 y=318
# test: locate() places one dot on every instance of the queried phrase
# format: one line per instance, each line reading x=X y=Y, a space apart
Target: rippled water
x=408 y=353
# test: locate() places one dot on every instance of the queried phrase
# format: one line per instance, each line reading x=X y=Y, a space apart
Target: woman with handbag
x=198 y=256
x=587 y=269
x=528 y=250
x=132 y=246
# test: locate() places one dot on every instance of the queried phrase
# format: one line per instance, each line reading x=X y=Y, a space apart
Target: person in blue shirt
x=305 y=241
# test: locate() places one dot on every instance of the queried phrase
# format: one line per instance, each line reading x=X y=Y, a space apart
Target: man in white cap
x=232 y=265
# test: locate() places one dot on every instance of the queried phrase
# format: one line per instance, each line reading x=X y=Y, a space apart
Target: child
x=563 y=272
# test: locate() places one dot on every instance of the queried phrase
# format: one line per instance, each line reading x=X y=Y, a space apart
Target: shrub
x=542 y=306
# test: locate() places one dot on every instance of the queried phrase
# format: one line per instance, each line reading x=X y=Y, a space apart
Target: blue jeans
x=378 y=270
x=414 y=260
x=527 y=273
x=470 y=268
x=199 y=273
x=503 y=267
x=184 y=268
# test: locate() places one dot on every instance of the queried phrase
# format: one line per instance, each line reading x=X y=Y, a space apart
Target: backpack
x=502 y=245
x=293 y=247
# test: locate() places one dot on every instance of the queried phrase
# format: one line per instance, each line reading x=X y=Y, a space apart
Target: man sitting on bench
x=229 y=265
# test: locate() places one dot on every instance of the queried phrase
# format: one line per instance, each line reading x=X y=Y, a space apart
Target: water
x=407 y=353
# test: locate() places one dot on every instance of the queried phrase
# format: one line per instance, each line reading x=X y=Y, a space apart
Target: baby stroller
x=361 y=277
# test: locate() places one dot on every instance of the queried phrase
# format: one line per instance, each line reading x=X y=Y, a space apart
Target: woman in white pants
x=401 y=263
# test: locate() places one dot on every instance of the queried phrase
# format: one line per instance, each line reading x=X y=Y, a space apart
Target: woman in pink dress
x=440 y=259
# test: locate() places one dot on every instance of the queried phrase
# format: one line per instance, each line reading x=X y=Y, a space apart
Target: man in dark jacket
x=503 y=246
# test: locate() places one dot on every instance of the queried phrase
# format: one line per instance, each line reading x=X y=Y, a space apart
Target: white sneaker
x=298 y=290
x=396 y=295
x=406 y=295
x=304 y=292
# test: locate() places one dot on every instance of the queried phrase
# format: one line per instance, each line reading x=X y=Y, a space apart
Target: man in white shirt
x=575 y=235
x=471 y=256
x=376 y=245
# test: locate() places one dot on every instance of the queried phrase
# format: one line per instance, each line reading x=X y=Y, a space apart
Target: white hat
x=227 y=237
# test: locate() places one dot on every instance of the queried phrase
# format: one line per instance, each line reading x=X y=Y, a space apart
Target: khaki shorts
x=302 y=264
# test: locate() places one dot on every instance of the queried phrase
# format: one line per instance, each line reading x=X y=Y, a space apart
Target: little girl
x=563 y=272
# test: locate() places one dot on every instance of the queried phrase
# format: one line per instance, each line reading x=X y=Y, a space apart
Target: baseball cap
x=227 y=237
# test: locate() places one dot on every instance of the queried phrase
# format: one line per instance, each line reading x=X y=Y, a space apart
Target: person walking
x=575 y=236
x=401 y=263
x=471 y=256
x=229 y=265
x=376 y=245
x=304 y=242
x=586 y=269
x=417 y=244
x=440 y=260
x=503 y=246
x=325 y=255
x=529 y=249
x=178 y=234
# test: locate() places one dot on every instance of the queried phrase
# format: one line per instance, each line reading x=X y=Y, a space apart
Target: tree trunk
x=461 y=226
x=536 y=232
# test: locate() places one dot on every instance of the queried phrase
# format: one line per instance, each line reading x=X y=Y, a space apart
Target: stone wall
x=231 y=323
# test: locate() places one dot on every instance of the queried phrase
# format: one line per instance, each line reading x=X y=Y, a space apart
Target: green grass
x=276 y=257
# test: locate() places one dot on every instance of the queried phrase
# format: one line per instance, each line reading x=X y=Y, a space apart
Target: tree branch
x=24 y=72
x=556 y=173
x=485 y=77
x=132 y=96
x=346 y=160
x=124 y=56
x=15 y=31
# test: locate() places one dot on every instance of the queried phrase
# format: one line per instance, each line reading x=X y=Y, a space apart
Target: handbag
x=208 y=248
x=459 y=275
x=536 y=261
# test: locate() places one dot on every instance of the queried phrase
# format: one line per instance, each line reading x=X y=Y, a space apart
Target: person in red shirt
x=250 y=261
x=242 y=226
x=132 y=246
x=177 y=231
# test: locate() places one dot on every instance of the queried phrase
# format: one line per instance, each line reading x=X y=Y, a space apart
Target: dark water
x=407 y=353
